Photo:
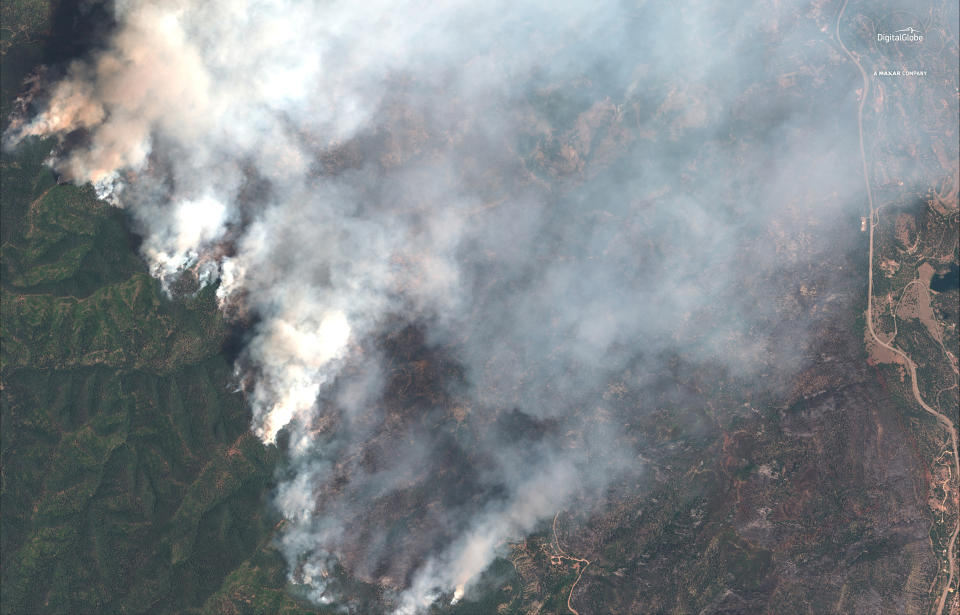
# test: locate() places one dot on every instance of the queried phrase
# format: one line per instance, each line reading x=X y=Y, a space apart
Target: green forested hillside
x=130 y=482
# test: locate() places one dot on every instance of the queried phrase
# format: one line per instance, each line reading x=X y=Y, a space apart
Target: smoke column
x=518 y=204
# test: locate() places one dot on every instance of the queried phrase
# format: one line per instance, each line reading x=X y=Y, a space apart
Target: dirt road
x=911 y=366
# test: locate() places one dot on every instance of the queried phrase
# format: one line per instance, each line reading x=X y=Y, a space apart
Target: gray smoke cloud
x=455 y=227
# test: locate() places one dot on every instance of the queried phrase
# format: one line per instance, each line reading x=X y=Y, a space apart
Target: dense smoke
x=511 y=206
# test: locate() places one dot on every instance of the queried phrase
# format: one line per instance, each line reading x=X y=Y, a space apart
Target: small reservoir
x=946 y=281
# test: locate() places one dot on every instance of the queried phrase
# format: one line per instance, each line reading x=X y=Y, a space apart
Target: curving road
x=563 y=555
x=911 y=366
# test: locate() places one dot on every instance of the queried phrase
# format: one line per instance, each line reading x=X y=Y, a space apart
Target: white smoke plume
x=543 y=197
